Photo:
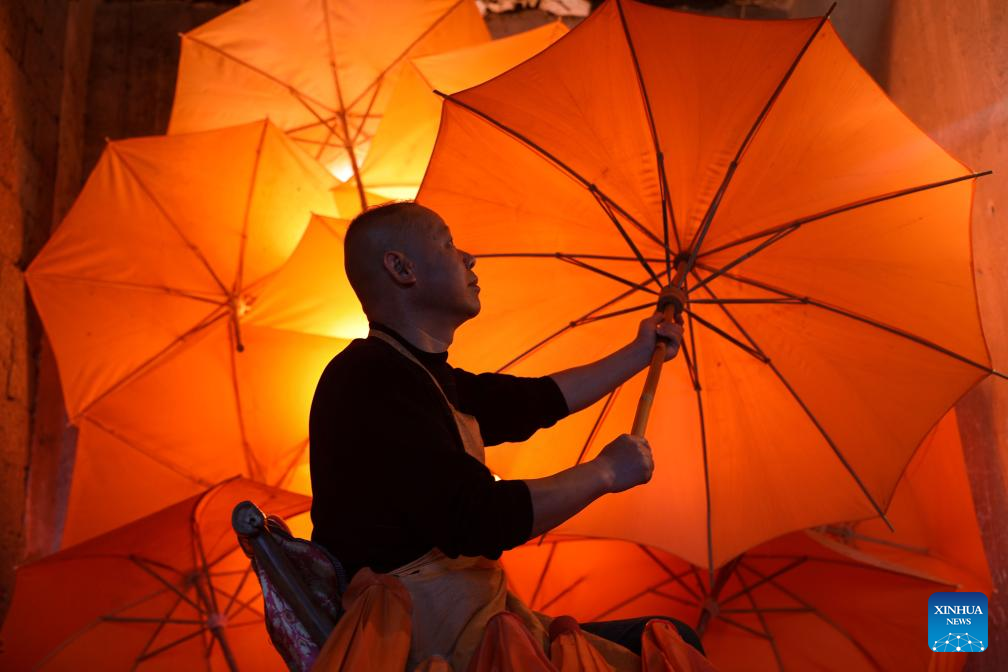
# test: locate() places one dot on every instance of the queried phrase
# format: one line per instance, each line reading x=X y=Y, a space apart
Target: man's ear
x=399 y=267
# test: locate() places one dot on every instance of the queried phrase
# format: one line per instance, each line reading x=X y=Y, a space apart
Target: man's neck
x=424 y=337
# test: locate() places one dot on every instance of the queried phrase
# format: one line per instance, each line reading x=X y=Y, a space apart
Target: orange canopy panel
x=820 y=232
x=171 y=591
x=799 y=602
x=402 y=146
x=932 y=511
x=188 y=323
x=321 y=70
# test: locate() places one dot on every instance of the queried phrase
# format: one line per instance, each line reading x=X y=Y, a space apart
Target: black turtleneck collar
x=435 y=362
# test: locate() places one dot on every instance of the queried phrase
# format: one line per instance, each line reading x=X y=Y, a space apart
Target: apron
x=454 y=598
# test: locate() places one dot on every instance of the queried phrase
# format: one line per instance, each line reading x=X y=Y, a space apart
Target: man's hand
x=628 y=462
x=649 y=331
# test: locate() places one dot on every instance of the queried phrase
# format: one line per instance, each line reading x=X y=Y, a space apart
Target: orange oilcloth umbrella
x=171 y=591
x=402 y=145
x=823 y=239
x=934 y=517
x=798 y=602
x=320 y=69
x=179 y=306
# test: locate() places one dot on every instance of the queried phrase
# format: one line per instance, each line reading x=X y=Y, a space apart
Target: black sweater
x=390 y=478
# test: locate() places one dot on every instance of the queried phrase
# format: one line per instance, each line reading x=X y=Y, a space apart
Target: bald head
x=383 y=228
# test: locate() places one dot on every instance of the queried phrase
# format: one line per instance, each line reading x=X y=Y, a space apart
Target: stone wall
x=32 y=36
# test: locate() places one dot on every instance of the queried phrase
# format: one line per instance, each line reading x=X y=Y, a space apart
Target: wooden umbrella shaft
x=670 y=309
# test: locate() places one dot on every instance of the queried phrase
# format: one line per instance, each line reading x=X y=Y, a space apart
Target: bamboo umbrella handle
x=669 y=302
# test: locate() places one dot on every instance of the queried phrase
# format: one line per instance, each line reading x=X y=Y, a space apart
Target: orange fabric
x=374 y=632
x=402 y=145
x=824 y=606
x=930 y=535
x=570 y=650
x=150 y=576
x=519 y=169
x=507 y=646
x=175 y=248
x=321 y=70
x=663 y=650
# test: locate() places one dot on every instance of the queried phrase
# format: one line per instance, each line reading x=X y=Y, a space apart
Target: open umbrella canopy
x=402 y=145
x=932 y=511
x=799 y=602
x=322 y=71
x=172 y=591
x=822 y=238
x=179 y=304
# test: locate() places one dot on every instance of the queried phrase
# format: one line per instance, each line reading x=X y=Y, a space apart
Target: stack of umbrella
x=194 y=293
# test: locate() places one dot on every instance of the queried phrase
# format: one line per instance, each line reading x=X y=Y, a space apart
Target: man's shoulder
x=364 y=359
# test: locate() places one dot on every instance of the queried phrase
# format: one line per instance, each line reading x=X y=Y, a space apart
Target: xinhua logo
x=957 y=622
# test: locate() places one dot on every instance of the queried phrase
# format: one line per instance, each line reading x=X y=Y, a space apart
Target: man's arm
x=623 y=464
x=582 y=386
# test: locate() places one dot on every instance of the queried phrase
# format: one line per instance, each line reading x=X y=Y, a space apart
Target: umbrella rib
x=554 y=160
x=171 y=645
x=241 y=584
x=728 y=337
x=154 y=635
x=243 y=240
x=622 y=231
x=251 y=463
x=542 y=576
x=677 y=577
x=693 y=364
x=295 y=460
x=674 y=598
x=381 y=75
x=808 y=412
x=797 y=223
x=553 y=255
x=860 y=318
x=141 y=368
x=791 y=566
x=632 y=598
x=348 y=141
x=171 y=222
x=762 y=620
x=607 y=274
x=569 y=326
x=262 y=73
x=845 y=532
x=616 y=313
x=152 y=455
x=119 y=284
x=695 y=573
x=367 y=113
x=151 y=619
x=740 y=626
x=140 y=562
x=553 y=600
x=667 y=211
x=820 y=615
x=593 y=434
x=73 y=637
x=701 y=232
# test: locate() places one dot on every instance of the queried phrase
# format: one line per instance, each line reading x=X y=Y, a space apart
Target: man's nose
x=468 y=259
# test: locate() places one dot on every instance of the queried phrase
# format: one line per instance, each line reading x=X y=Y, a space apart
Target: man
x=397 y=434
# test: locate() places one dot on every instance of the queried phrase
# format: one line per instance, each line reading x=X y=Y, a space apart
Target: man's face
x=445 y=280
